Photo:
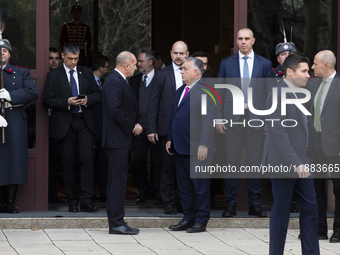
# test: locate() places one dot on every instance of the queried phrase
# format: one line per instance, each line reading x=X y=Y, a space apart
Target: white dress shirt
x=75 y=76
x=178 y=75
x=149 y=77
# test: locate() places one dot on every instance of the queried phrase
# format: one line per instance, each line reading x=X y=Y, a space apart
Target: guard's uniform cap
x=76 y=7
x=287 y=46
x=5 y=43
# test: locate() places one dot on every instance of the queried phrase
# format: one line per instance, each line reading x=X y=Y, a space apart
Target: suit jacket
x=58 y=90
x=163 y=88
x=230 y=70
x=287 y=146
x=119 y=112
x=98 y=110
x=329 y=118
x=188 y=129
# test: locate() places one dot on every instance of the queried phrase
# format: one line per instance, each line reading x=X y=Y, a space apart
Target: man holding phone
x=71 y=92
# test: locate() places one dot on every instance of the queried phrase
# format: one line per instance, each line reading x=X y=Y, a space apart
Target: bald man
x=162 y=91
x=119 y=126
x=242 y=70
x=325 y=109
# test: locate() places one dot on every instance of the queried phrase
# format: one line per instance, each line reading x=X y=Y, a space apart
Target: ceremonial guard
x=17 y=89
x=283 y=50
x=76 y=32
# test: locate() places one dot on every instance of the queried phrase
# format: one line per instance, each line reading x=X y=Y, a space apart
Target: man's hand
x=83 y=101
x=3 y=122
x=167 y=147
x=302 y=171
x=202 y=152
x=220 y=128
x=75 y=101
x=138 y=129
x=153 y=138
x=4 y=94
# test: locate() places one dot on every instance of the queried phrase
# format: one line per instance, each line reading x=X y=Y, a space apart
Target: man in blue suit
x=190 y=137
x=294 y=148
x=248 y=66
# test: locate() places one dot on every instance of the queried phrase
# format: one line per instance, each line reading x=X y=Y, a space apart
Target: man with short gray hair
x=190 y=140
x=140 y=84
x=71 y=92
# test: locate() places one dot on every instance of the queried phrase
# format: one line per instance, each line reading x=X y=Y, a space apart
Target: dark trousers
x=194 y=192
x=168 y=176
x=140 y=147
x=101 y=158
x=321 y=194
x=236 y=137
x=54 y=160
x=116 y=185
x=78 y=134
x=304 y=192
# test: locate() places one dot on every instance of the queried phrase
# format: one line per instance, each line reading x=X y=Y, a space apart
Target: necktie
x=317 y=107
x=100 y=84
x=144 y=79
x=126 y=81
x=245 y=79
x=74 y=90
x=186 y=92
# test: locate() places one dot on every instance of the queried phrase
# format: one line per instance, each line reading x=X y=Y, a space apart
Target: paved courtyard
x=97 y=241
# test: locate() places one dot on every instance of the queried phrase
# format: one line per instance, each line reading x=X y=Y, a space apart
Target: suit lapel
x=332 y=87
x=128 y=87
x=65 y=79
x=81 y=81
x=256 y=68
x=236 y=69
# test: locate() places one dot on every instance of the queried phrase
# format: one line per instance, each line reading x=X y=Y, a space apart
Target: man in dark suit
x=294 y=148
x=71 y=91
x=325 y=105
x=140 y=85
x=119 y=124
x=237 y=70
x=190 y=136
x=163 y=88
x=100 y=66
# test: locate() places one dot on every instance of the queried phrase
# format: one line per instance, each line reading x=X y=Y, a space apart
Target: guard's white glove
x=5 y=95
x=3 y=122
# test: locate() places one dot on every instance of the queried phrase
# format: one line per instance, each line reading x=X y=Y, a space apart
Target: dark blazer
x=287 y=146
x=163 y=88
x=14 y=153
x=329 y=118
x=188 y=129
x=135 y=82
x=58 y=90
x=119 y=112
x=230 y=70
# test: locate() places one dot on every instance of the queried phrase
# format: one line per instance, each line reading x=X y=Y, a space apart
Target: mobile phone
x=81 y=96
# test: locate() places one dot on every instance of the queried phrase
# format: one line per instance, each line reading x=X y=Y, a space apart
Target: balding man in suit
x=119 y=125
x=325 y=105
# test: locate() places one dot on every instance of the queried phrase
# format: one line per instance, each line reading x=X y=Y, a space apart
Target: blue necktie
x=144 y=79
x=245 y=79
x=74 y=90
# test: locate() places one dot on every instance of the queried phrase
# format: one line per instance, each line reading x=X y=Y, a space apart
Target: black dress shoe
x=88 y=208
x=197 y=227
x=134 y=229
x=256 y=211
x=123 y=230
x=230 y=211
x=170 y=208
x=73 y=208
x=11 y=208
x=140 y=200
x=335 y=238
x=183 y=225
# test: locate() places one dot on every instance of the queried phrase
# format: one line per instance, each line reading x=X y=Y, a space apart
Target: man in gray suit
x=325 y=105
